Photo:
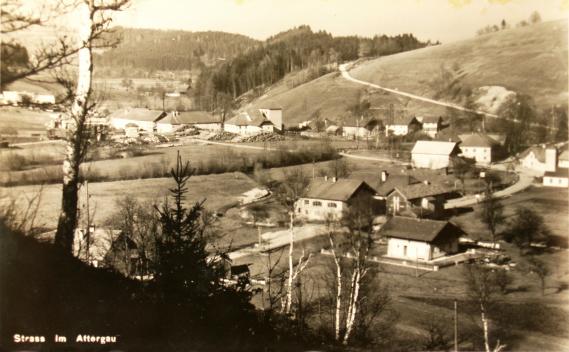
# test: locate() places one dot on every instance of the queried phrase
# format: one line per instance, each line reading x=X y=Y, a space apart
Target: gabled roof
x=252 y=117
x=341 y=190
x=560 y=172
x=190 y=118
x=564 y=155
x=417 y=229
x=365 y=122
x=429 y=119
x=384 y=188
x=422 y=190
x=138 y=114
x=433 y=147
x=478 y=140
x=400 y=119
x=537 y=150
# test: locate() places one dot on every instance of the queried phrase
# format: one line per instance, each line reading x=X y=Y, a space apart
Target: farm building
x=145 y=119
x=402 y=125
x=433 y=154
x=255 y=121
x=386 y=182
x=420 y=239
x=361 y=127
x=199 y=119
x=539 y=159
x=563 y=160
x=559 y=178
x=481 y=147
x=421 y=199
x=431 y=125
x=331 y=197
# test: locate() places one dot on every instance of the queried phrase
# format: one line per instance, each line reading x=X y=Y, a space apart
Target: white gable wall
x=430 y=161
x=319 y=209
x=408 y=249
x=482 y=155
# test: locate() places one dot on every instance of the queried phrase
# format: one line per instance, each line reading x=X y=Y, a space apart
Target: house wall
x=430 y=161
x=44 y=99
x=275 y=116
x=431 y=129
x=550 y=181
x=482 y=155
x=396 y=203
x=164 y=128
x=351 y=131
x=408 y=249
x=532 y=163
x=215 y=126
x=309 y=209
x=563 y=164
x=144 y=125
x=398 y=130
x=243 y=130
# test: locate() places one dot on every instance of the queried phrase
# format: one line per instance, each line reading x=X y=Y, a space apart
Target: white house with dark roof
x=481 y=147
x=401 y=125
x=198 y=119
x=431 y=125
x=539 y=159
x=331 y=197
x=145 y=119
x=433 y=154
x=360 y=127
x=419 y=199
x=563 y=159
x=255 y=121
x=558 y=178
x=420 y=239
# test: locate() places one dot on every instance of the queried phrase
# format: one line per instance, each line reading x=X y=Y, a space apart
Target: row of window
x=317 y=203
x=474 y=150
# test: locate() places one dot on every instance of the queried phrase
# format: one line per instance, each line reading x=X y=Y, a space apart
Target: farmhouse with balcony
x=431 y=125
x=255 y=121
x=420 y=239
x=145 y=119
x=421 y=199
x=433 y=154
x=330 y=197
x=483 y=148
x=402 y=125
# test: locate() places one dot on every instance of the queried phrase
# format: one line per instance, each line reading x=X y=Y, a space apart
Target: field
x=219 y=191
x=24 y=119
x=506 y=58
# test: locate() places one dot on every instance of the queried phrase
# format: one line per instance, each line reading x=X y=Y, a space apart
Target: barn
x=420 y=239
x=145 y=119
x=433 y=154
x=255 y=121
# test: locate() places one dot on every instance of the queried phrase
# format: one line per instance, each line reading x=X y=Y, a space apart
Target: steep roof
x=433 y=147
x=564 y=155
x=429 y=119
x=478 y=140
x=192 y=117
x=252 y=117
x=401 y=119
x=416 y=229
x=422 y=190
x=538 y=152
x=359 y=122
x=341 y=190
x=393 y=181
x=138 y=114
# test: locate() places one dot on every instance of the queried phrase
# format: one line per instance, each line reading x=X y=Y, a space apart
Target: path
x=281 y=238
x=346 y=75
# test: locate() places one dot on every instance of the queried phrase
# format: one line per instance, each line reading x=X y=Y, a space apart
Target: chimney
x=383 y=176
x=550 y=159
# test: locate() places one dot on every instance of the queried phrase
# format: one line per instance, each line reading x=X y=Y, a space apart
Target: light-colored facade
x=320 y=209
x=482 y=155
x=120 y=124
x=433 y=154
x=354 y=131
x=397 y=130
x=539 y=159
x=556 y=181
x=418 y=250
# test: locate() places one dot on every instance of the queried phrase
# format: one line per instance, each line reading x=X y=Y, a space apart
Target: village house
x=421 y=199
x=145 y=119
x=387 y=182
x=402 y=125
x=433 y=154
x=558 y=178
x=563 y=159
x=420 y=239
x=199 y=119
x=539 y=159
x=431 y=125
x=330 y=197
x=481 y=147
x=360 y=127
x=255 y=121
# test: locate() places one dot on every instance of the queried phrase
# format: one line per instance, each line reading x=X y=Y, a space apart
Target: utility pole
x=455 y=326
x=88 y=222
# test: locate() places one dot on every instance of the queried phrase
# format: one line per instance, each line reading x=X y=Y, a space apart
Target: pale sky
x=445 y=20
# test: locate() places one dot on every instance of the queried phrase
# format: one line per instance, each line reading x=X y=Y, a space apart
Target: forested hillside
x=297 y=49
x=151 y=49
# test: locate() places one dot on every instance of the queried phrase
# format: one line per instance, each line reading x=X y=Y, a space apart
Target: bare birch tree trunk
x=75 y=143
x=337 y=321
x=485 y=328
x=353 y=308
x=288 y=300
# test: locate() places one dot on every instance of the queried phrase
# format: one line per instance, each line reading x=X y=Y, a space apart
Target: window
x=306 y=201
x=332 y=205
x=317 y=203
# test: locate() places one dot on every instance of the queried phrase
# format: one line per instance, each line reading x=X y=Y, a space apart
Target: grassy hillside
x=531 y=60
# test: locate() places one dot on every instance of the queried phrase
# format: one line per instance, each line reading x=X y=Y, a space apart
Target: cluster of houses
x=551 y=162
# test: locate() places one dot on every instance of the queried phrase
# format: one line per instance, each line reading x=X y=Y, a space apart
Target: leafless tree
x=21 y=217
x=481 y=285
x=95 y=19
x=539 y=268
x=291 y=188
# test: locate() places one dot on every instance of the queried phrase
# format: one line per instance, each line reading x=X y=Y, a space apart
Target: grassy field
x=24 y=119
x=506 y=58
x=218 y=190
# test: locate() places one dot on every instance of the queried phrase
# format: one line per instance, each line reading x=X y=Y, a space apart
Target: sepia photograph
x=284 y=175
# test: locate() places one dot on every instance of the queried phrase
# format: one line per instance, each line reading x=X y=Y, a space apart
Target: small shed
x=420 y=239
